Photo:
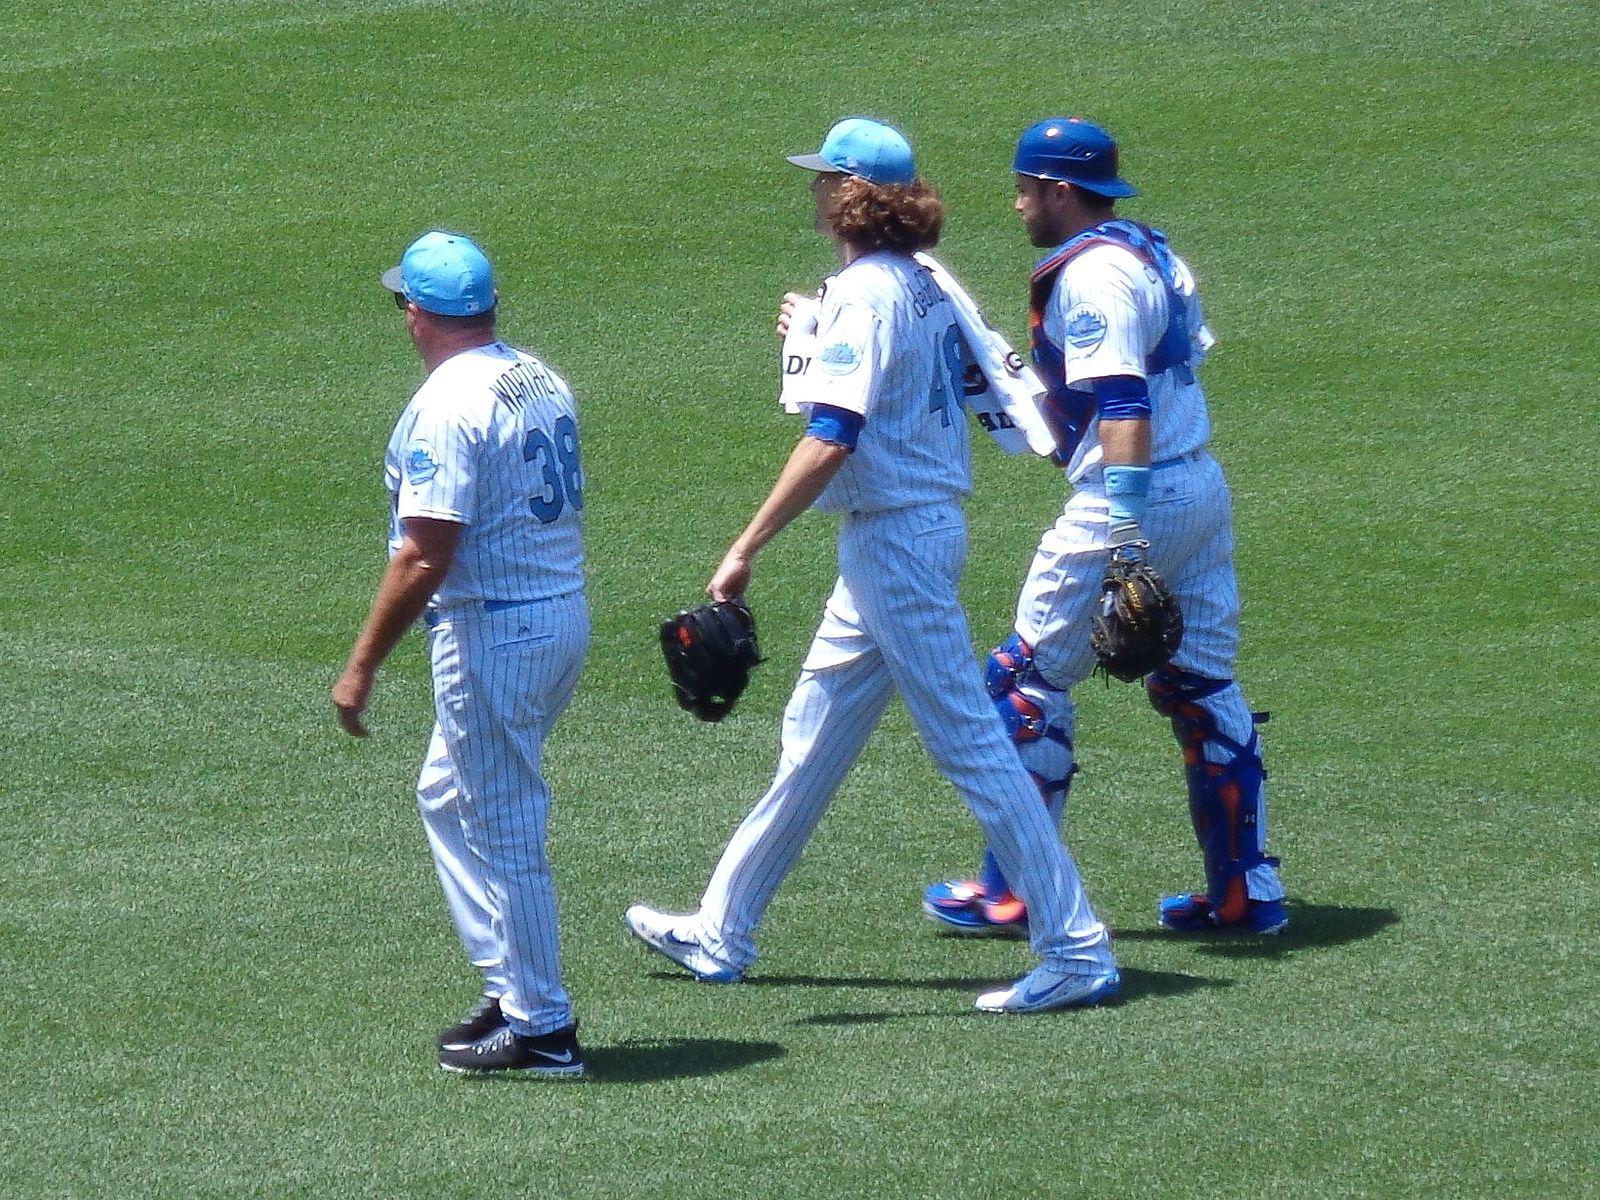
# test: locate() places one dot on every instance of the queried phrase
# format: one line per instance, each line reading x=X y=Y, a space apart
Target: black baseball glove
x=1139 y=626
x=710 y=653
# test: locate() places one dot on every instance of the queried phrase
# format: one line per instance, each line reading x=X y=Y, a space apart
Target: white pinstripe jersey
x=490 y=440
x=1107 y=312
x=888 y=348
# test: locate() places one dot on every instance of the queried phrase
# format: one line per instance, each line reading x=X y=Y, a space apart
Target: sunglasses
x=400 y=300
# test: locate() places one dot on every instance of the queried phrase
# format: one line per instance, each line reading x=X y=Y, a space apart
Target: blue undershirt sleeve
x=837 y=426
x=1121 y=398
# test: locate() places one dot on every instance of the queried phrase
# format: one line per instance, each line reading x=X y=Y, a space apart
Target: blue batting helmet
x=1071 y=150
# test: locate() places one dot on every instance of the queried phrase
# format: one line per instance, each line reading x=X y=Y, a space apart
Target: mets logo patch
x=840 y=358
x=1086 y=327
x=421 y=465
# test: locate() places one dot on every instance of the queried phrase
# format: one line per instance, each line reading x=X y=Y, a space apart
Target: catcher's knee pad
x=1039 y=718
x=1226 y=778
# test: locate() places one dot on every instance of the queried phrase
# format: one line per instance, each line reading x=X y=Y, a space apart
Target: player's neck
x=1083 y=218
x=849 y=251
x=1067 y=216
x=444 y=347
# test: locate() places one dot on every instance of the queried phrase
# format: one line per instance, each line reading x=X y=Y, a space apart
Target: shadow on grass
x=829 y=1020
x=1137 y=984
x=650 y=1060
x=947 y=983
x=1311 y=927
x=944 y=984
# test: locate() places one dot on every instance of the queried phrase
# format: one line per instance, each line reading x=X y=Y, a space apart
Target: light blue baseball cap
x=444 y=273
x=865 y=148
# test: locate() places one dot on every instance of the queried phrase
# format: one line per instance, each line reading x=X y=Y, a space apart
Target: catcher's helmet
x=1071 y=150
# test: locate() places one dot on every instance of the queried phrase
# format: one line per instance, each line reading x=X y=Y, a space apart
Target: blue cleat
x=1048 y=987
x=961 y=906
x=1192 y=912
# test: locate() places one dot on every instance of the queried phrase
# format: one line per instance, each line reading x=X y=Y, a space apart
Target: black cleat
x=478 y=1024
x=555 y=1053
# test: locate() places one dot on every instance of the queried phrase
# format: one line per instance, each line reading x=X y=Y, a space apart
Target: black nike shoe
x=475 y=1026
x=555 y=1053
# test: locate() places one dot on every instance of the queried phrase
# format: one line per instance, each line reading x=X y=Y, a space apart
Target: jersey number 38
x=556 y=457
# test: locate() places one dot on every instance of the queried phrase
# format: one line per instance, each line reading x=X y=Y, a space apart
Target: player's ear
x=1065 y=195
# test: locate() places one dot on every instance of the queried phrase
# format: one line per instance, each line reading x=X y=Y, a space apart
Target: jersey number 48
x=954 y=386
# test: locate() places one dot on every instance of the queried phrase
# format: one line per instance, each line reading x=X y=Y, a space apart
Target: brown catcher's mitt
x=1139 y=626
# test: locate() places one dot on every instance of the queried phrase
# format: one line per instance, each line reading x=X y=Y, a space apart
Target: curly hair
x=872 y=216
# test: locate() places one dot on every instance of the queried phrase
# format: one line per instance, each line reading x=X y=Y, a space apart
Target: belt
x=1180 y=460
x=431 y=616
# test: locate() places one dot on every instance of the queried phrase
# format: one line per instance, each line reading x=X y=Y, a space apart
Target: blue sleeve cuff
x=1121 y=398
x=839 y=426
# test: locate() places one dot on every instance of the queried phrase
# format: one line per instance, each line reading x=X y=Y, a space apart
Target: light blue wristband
x=1128 y=492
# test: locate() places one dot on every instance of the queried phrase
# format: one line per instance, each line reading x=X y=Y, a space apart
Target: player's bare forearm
x=1125 y=442
x=812 y=464
x=400 y=599
x=413 y=575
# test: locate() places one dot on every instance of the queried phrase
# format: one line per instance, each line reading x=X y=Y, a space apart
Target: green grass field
x=223 y=956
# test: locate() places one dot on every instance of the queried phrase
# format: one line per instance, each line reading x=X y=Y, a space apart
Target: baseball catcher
x=1138 y=626
x=710 y=653
x=1118 y=339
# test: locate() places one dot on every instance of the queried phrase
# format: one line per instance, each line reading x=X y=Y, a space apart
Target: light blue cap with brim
x=444 y=273
x=865 y=148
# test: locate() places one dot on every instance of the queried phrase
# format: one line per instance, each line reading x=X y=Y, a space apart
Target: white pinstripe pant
x=500 y=681
x=1190 y=526
x=894 y=622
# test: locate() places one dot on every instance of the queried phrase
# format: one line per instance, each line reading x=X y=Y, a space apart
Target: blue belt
x=502 y=605
x=432 y=616
x=1181 y=460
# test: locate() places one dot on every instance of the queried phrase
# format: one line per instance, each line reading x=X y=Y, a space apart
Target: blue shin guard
x=1039 y=719
x=1227 y=797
